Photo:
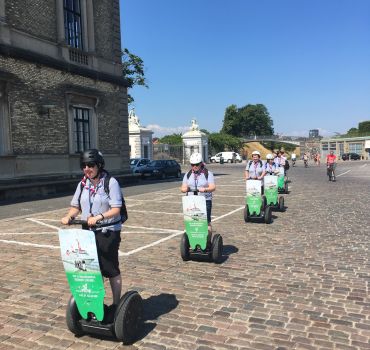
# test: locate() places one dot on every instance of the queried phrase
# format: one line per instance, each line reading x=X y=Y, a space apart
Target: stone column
x=84 y=26
x=90 y=25
x=60 y=21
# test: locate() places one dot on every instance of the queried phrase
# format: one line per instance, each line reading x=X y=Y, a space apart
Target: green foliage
x=219 y=142
x=174 y=139
x=352 y=132
x=247 y=120
x=364 y=127
x=272 y=145
x=133 y=71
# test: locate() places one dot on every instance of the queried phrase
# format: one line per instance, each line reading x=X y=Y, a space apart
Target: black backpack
x=123 y=212
x=286 y=165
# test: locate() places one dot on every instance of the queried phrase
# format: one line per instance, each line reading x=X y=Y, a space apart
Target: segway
x=195 y=238
x=86 y=311
x=270 y=183
x=256 y=206
x=282 y=183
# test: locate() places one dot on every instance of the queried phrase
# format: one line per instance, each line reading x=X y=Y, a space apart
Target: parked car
x=351 y=156
x=228 y=157
x=161 y=169
x=137 y=163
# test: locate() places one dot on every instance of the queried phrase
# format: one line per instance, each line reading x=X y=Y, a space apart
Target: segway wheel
x=264 y=201
x=281 y=204
x=128 y=317
x=268 y=215
x=286 y=187
x=73 y=317
x=184 y=247
x=246 y=213
x=217 y=246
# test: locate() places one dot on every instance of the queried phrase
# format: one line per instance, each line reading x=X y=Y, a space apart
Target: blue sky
x=307 y=61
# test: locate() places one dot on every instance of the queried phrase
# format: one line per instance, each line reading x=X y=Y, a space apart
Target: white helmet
x=256 y=152
x=269 y=156
x=196 y=158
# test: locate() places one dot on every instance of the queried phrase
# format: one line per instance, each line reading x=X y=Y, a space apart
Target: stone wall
x=36 y=17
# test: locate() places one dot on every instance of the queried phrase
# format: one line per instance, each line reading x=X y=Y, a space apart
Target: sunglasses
x=89 y=165
x=197 y=164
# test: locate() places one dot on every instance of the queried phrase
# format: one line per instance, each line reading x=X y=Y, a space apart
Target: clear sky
x=307 y=61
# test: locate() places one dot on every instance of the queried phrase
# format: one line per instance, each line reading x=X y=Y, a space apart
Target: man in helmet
x=199 y=178
x=96 y=205
x=270 y=166
x=254 y=169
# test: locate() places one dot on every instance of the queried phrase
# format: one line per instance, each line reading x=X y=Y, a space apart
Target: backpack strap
x=79 y=196
x=205 y=172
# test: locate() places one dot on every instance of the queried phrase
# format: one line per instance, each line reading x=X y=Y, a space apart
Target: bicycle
x=330 y=172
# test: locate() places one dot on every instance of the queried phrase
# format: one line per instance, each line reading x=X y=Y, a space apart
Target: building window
x=355 y=148
x=73 y=23
x=81 y=129
x=325 y=146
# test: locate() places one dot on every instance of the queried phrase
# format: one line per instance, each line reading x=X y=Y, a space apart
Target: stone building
x=61 y=87
x=195 y=140
x=141 y=143
x=341 y=145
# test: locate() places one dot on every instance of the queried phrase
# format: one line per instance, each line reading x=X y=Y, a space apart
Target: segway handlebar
x=195 y=193
x=84 y=223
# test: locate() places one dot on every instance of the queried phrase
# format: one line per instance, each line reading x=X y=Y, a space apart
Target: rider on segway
x=200 y=179
x=92 y=201
x=331 y=165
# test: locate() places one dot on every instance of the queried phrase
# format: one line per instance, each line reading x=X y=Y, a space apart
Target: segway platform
x=282 y=184
x=86 y=312
x=195 y=237
x=255 y=204
x=270 y=183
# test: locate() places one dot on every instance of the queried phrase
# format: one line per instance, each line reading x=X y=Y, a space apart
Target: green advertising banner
x=281 y=177
x=195 y=219
x=270 y=183
x=254 y=198
x=81 y=264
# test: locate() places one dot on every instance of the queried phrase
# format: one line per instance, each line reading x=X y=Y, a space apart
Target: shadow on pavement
x=154 y=307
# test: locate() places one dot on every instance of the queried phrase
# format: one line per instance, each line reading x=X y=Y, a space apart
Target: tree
x=173 y=139
x=364 y=127
x=222 y=142
x=352 y=132
x=247 y=120
x=133 y=71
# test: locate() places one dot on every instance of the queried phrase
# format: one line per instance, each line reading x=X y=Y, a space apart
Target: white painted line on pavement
x=344 y=173
x=232 y=212
x=25 y=233
x=150 y=245
x=30 y=244
x=43 y=223
x=363 y=166
x=171 y=236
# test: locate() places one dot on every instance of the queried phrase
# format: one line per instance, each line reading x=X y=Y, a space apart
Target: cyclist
x=331 y=159
x=294 y=158
x=200 y=179
x=91 y=200
x=305 y=160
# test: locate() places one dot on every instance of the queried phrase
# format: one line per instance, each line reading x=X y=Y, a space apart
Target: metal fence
x=164 y=151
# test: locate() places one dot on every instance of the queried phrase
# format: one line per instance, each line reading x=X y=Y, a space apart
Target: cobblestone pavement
x=300 y=283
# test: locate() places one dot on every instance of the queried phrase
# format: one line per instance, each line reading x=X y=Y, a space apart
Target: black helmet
x=92 y=155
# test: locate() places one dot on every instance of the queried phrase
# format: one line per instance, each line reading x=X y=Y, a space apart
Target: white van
x=229 y=157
